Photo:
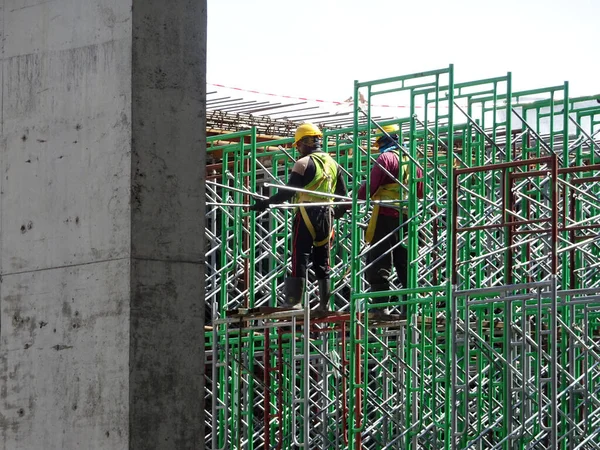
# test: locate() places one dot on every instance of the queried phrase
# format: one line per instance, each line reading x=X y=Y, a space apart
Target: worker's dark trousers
x=381 y=260
x=321 y=218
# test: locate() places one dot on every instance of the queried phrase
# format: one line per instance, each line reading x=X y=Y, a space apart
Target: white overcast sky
x=317 y=48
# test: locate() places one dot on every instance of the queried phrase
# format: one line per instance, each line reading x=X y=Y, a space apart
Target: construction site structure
x=500 y=348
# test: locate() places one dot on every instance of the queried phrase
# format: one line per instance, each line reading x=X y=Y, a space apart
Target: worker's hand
x=338 y=212
x=260 y=205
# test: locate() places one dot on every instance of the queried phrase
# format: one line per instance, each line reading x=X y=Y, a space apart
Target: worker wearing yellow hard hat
x=390 y=170
x=312 y=229
x=387 y=137
x=306 y=130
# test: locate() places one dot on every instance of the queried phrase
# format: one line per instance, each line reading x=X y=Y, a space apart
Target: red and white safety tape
x=296 y=98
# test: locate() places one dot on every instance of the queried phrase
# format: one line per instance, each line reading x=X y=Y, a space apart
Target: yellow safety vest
x=325 y=181
x=390 y=191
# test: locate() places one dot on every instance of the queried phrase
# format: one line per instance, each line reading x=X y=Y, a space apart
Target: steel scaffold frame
x=500 y=348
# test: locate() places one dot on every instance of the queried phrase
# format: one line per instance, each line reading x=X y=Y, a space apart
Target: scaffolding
x=500 y=347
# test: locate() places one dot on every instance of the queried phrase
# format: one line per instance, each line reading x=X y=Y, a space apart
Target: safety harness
x=390 y=191
x=325 y=181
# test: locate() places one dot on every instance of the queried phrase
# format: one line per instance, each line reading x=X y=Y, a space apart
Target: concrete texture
x=101 y=224
x=64 y=363
x=167 y=224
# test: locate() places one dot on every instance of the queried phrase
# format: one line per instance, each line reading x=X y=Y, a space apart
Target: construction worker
x=382 y=232
x=312 y=228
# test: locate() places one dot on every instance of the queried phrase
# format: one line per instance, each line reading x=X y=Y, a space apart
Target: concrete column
x=102 y=156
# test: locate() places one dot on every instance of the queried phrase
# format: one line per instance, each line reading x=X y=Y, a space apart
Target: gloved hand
x=338 y=212
x=260 y=205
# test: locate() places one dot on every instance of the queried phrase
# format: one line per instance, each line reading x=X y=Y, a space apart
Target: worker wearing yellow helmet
x=312 y=228
x=387 y=138
x=387 y=174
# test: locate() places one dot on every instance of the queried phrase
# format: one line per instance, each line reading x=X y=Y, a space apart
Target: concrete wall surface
x=101 y=223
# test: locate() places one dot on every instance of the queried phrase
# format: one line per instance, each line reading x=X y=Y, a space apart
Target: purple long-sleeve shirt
x=390 y=161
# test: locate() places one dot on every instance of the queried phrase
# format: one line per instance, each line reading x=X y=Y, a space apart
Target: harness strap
x=311 y=229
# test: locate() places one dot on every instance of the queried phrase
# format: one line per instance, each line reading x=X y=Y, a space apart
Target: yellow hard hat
x=389 y=129
x=306 y=129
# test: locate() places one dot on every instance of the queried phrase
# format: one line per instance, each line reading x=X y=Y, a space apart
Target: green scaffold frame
x=500 y=346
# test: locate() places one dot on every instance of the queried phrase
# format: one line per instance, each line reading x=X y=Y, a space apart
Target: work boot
x=402 y=307
x=293 y=289
x=324 y=294
x=380 y=313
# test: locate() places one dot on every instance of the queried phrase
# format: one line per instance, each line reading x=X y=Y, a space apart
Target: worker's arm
x=362 y=192
x=340 y=185
x=389 y=162
x=342 y=190
x=419 y=183
x=377 y=176
x=298 y=179
x=284 y=195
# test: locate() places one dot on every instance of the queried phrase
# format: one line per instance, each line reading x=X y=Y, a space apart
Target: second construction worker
x=383 y=229
x=312 y=229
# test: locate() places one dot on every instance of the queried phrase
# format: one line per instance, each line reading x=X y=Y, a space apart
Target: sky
x=317 y=48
